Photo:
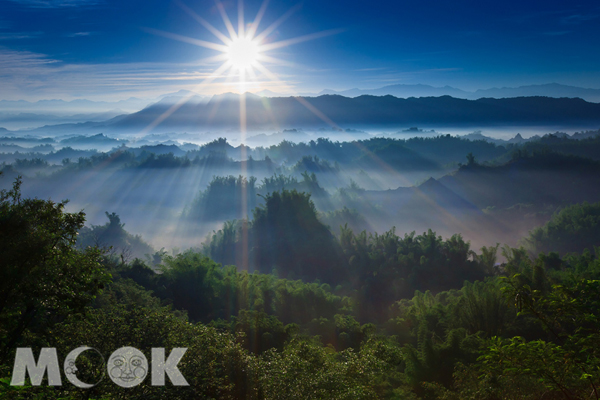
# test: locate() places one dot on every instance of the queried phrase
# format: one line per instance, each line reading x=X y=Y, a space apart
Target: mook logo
x=127 y=367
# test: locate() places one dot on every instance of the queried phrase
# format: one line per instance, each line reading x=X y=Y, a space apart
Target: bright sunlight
x=243 y=53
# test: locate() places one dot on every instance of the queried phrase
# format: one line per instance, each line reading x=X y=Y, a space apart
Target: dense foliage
x=355 y=315
x=44 y=278
x=572 y=229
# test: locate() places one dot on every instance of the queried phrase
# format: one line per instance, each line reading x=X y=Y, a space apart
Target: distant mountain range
x=518 y=139
x=406 y=91
x=86 y=106
x=549 y=90
x=223 y=112
x=23 y=114
x=402 y=91
x=73 y=106
x=196 y=113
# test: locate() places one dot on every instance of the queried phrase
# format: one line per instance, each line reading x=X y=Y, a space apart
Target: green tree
x=572 y=229
x=565 y=364
x=286 y=234
x=471 y=159
x=43 y=277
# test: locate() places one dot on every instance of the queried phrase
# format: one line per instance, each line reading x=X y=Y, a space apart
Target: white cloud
x=370 y=69
x=33 y=76
x=11 y=60
x=79 y=34
x=19 y=35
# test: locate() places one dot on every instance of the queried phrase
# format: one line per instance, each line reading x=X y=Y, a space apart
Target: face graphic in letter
x=127 y=367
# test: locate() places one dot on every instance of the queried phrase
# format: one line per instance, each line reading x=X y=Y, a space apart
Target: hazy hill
x=517 y=139
x=401 y=90
x=425 y=201
x=224 y=112
x=544 y=178
x=74 y=106
x=99 y=142
x=397 y=156
x=549 y=89
x=72 y=114
x=26 y=140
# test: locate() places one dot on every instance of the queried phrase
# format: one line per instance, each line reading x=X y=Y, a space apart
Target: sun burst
x=243 y=53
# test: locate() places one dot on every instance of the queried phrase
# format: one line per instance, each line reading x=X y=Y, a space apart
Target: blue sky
x=110 y=50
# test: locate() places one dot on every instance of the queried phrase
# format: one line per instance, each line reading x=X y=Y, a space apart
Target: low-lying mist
x=175 y=193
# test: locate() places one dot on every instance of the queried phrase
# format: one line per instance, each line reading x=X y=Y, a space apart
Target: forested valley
x=423 y=268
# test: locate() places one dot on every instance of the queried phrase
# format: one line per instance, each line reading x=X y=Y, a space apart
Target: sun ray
x=211 y=60
x=265 y=101
x=299 y=39
x=185 y=39
x=184 y=100
x=204 y=23
x=317 y=112
x=261 y=12
x=265 y=71
x=244 y=170
x=217 y=103
x=384 y=166
x=301 y=100
x=276 y=61
x=253 y=77
x=241 y=19
x=232 y=72
x=226 y=20
x=263 y=35
x=252 y=74
x=242 y=86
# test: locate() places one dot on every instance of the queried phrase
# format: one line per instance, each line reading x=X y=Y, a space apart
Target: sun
x=245 y=50
x=243 y=53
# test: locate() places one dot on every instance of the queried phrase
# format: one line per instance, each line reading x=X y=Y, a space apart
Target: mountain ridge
x=337 y=110
x=420 y=90
x=340 y=112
